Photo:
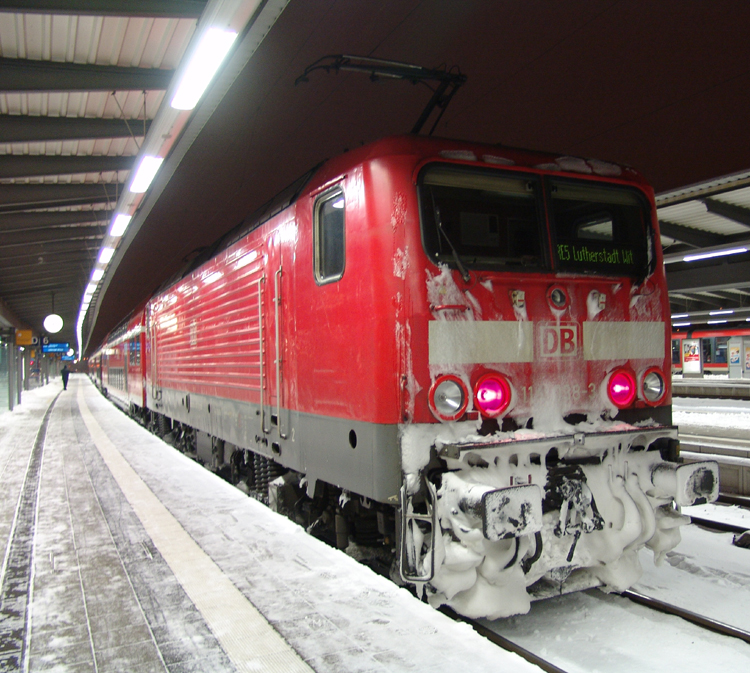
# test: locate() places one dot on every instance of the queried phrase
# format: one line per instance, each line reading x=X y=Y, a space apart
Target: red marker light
x=492 y=394
x=621 y=388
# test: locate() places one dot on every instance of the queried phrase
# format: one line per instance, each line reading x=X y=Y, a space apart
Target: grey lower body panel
x=356 y=456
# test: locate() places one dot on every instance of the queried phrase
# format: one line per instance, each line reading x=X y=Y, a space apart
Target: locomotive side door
x=275 y=406
x=153 y=369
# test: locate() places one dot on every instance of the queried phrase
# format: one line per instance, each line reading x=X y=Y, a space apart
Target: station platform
x=711 y=387
x=121 y=554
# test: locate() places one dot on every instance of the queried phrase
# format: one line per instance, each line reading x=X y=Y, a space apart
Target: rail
x=692 y=617
x=731 y=453
x=502 y=641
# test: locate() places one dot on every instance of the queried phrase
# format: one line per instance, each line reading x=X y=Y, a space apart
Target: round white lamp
x=53 y=323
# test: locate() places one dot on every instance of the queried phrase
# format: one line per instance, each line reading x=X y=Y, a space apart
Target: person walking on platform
x=65 y=374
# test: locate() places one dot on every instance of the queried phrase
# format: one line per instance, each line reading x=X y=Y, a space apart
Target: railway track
x=718 y=525
x=696 y=619
x=505 y=643
x=699 y=620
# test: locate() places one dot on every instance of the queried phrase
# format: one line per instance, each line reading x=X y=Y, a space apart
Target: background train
x=452 y=360
x=714 y=351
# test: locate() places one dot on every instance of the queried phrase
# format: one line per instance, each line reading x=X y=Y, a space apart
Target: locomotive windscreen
x=489 y=219
x=599 y=229
x=493 y=220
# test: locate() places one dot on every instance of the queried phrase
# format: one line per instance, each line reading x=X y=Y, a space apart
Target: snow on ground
x=327 y=593
x=702 y=412
x=705 y=574
x=339 y=615
x=316 y=596
x=592 y=632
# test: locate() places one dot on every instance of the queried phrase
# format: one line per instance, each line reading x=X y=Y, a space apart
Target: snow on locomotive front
x=537 y=447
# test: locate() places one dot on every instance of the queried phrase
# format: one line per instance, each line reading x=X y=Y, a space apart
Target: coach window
x=329 y=237
x=134 y=351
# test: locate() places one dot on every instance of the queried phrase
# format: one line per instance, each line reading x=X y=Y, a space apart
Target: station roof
x=664 y=87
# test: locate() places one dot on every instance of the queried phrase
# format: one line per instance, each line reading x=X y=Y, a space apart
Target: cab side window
x=328 y=236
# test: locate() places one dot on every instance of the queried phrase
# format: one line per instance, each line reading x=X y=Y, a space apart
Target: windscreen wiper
x=456 y=258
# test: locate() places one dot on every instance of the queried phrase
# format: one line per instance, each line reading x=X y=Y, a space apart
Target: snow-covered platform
x=711 y=386
x=121 y=554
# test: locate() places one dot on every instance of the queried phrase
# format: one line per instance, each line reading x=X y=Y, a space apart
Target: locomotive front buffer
x=556 y=512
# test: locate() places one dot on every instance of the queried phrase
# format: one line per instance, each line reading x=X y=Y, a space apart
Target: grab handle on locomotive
x=418 y=529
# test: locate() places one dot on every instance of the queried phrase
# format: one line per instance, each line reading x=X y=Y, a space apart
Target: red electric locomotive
x=457 y=352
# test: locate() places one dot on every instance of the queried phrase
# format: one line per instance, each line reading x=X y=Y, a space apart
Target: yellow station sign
x=24 y=337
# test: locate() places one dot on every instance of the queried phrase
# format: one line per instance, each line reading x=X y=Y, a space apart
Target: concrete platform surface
x=711 y=387
x=121 y=554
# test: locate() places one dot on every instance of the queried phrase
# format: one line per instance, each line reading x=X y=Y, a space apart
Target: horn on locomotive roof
x=447 y=81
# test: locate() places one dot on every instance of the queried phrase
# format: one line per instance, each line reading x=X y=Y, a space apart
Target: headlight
x=621 y=388
x=448 y=398
x=653 y=386
x=492 y=394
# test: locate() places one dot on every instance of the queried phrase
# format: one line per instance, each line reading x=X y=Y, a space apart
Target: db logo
x=558 y=340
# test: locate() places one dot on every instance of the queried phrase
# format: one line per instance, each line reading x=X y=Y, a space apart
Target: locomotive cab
x=543 y=355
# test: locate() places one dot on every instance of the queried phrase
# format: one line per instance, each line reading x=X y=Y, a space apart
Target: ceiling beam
x=27 y=129
x=737 y=214
x=690 y=303
x=693 y=237
x=81 y=258
x=8 y=318
x=49 y=251
x=708 y=300
x=64 y=295
x=52 y=235
x=13 y=166
x=710 y=277
x=64 y=280
x=736 y=297
x=70 y=271
x=25 y=197
x=28 y=221
x=181 y=9
x=83 y=201
x=20 y=74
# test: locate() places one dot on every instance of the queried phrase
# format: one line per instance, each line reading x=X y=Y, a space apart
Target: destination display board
x=55 y=348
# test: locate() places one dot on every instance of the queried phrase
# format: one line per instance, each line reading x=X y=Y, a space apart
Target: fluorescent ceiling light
x=679 y=315
x=203 y=65
x=91 y=288
x=716 y=322
x=147 y=169
x=105 y=256
x=120 y=224
x=681 y=324
x=722 y=312
x=97 y=275
x=715 y=253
